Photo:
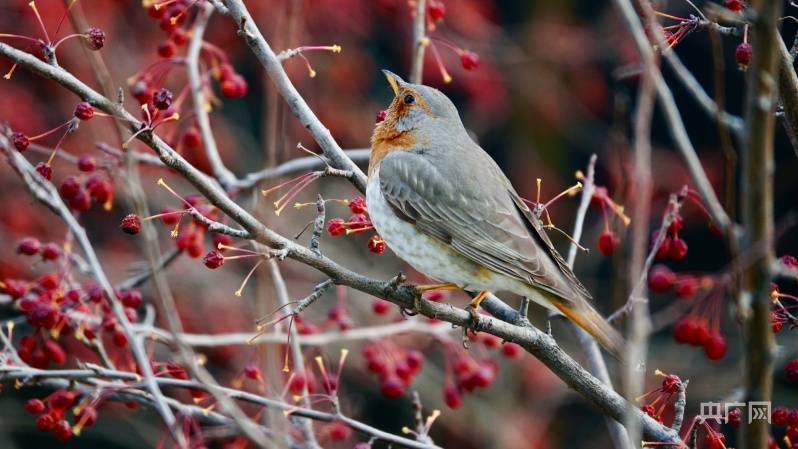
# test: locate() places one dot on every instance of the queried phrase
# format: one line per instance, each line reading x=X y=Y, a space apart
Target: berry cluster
x=357 y=223
x=79 y=191
x=673 y=247
x=436 y=11
x=52 y=414
x=394 y=365
x=659 y=399
x=608 y=240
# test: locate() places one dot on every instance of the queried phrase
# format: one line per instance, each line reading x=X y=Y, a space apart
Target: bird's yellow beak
x=393 y=80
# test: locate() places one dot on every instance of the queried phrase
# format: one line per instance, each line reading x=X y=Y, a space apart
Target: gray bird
x=443 y=205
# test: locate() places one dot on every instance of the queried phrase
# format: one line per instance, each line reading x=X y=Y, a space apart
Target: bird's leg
x=473 y=306
x=423 y=288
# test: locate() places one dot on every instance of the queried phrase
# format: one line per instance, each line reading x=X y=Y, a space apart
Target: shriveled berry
x=380 y=116
x=358 y=205
x=671 y=383
x=469 y=60
x=742 y=55
x=608 y=242
x=789 y=261
x=96 y=38
x=779 y=416
x=29 y=246
x=213 y=260
x=44 y=170
x=376 y=244
x=162 y=98
x=336 y=227
x=86 y=163
x=84 y=111
x=131 y=224
x=20 y=141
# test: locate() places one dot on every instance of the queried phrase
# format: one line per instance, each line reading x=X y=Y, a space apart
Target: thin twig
x=420 y=41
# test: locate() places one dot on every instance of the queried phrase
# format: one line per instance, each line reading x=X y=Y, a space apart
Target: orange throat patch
x=385 y=140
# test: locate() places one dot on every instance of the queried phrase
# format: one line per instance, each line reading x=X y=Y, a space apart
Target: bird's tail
x=586 y=317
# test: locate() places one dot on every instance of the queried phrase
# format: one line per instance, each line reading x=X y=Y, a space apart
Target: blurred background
x=556 y=82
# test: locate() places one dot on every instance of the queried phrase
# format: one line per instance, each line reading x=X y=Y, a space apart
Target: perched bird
x=443 y=205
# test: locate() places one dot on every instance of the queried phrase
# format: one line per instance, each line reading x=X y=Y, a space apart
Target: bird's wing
x=484 y=220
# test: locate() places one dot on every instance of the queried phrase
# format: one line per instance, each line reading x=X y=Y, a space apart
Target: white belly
x=427 y=254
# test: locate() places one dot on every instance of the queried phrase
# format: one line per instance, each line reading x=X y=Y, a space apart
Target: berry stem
x=32 y=5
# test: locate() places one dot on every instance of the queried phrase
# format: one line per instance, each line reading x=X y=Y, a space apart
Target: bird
x=444 y=206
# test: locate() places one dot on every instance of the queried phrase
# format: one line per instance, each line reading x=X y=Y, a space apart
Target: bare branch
x=420 y=41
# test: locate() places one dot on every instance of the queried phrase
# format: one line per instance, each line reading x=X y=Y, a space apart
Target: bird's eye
x=409 y=99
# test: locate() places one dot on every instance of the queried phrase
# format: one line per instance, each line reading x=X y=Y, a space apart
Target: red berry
x=511 y=350
x=791 y=371
x=742 y=54
x=779 y=416
x=380 y=116
x=675 y=226
x=715 y=347
x=162 y=98
x=119 y=339
x=684 y=329
x=252 y=371
x=179 y=36
x=81 y=202
x=234 y=86
x=61 y=399
x=141 y=91
x=45 y=422
x=191 y=138
x=733 y=5
x=44 y=170
x=51 y=251
x=469 y=60
x=62 y=430
x=376 y=244
x=69 y=187
x=131 y=298
x=414 y=359
x=99 y=189
x=671 y=383
x=338 y=431
x=213 y=260
x=678 y=249
x=166 y=49
x=664 y=250
x=358 y=205
x=131 y=224
x=54 y=352
x=29 y=246
x=87 y=416
x=452 y=397
x=700 y=334
x=297 y=383
x=84 y=111
x=96 y=38
x=34 y=406
x=734 y=417
x=661 y=279
x=391 y=387
x=608 y=242
x=686 y=287
x=789 y=261
x=436 y=10
x=776 y=323
x=380 y=307
x=336 y=227
x=20 y=141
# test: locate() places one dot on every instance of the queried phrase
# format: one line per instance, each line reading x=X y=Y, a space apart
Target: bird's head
x=416 y=107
